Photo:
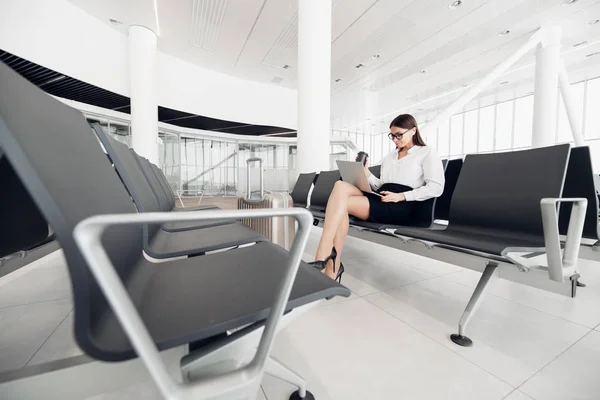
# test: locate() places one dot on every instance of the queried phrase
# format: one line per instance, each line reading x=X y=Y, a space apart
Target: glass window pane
x=456 y=134
x=376 y=150
x=444 y=139
x=523 y=122
x=564 y=134
x=504 y=125
x=486 y=129
x=592 y=119
x=471 y=130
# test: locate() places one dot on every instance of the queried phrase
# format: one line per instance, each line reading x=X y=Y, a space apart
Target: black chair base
x=296 y=396
x=461 y=340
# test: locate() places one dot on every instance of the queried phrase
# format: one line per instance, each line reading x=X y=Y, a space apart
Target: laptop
x=354 y=173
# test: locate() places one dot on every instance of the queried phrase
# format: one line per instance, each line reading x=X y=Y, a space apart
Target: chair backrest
x=302 y=188
x=62 y=165
x=580 y=183
x=323 y=188
x=163 y=199
x=451 y=174
x=23 y=225
x=502 y=191
x=376 y=170
x=162 y=179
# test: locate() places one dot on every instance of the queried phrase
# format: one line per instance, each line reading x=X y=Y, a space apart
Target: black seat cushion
x=175 y=244
x=196 y=298
x=470 y=238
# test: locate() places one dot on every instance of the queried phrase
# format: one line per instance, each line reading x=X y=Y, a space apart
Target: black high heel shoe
x=338 y=277
x=322 y=264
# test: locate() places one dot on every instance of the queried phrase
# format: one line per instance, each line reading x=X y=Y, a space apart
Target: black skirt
x=390 y=213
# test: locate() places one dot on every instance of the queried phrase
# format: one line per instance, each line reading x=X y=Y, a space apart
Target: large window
x=564 y=134
x=486 y=129
x=456 y=134
x=523 y=122
x=592 y=107
x=444 y=140
x=471 y=131
x=504 y=125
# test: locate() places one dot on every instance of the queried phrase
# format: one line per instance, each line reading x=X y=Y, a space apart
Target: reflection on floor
x=389 y=340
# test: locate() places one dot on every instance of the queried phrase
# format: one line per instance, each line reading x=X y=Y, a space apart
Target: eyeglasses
x=398 y=136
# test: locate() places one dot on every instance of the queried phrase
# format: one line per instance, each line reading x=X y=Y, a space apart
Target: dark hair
x=407 y=121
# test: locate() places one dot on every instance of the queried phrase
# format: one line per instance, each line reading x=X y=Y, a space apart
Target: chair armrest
x=562 y=265
x=88 y=234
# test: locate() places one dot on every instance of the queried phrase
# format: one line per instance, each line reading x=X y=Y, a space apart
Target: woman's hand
x=389 y=197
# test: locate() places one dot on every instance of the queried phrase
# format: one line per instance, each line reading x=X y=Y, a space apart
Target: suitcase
x=279 y=230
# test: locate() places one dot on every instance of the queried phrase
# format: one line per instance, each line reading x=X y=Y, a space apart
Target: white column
x=547 y=65
x=575 y=121
x=142 y=90
x=314 y=84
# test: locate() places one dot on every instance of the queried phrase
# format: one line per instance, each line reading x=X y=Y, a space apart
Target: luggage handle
x=261 y=178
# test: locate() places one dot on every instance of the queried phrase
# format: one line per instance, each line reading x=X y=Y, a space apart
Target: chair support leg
x=278 y=370
x=460 y=338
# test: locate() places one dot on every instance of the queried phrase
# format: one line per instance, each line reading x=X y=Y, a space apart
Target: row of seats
x=491 y=210
x=218 y=286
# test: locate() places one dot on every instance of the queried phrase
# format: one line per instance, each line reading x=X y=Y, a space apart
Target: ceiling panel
x=69 y=88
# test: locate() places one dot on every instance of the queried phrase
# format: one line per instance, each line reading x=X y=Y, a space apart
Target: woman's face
x=402 y=136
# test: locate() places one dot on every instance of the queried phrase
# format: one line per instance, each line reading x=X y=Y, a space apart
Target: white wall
x=60 y=36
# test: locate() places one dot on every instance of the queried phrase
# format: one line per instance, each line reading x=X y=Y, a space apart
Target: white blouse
x=421 y=169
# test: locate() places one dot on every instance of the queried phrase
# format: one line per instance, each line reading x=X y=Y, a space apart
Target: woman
x=412 y=172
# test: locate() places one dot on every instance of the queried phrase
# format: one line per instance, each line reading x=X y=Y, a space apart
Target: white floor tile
x=583 y=309
x=511 y=341
x=517 y=395
x=573 y=375
x=353 y=350
x=261 y=395
x=60 y=345
x=142 y=391
x=34 y=285
x=24 y=329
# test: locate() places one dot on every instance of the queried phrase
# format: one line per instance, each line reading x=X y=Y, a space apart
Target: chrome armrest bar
x=88 y=235
x=561 y=265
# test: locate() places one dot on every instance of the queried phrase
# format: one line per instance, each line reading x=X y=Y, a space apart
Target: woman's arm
x=374 y=181
x=433 y=175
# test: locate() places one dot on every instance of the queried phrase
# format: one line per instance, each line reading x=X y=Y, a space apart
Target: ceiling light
x=360 y=66
x=338 y=80
x=567 y=2
x=504 y=33
x=580 y=43
x=593 y=54
x=594 y=21
x=375 y=56
x=422 y=71
x=455 y=4
x=504 y=83
x=286 y=66
x=115 y=21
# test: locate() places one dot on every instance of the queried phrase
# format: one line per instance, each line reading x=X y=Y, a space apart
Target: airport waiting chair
x=23 y=226
x=579 y=182
x=302 y=188
x=451 y=173
x=226 y=305
x=321 y=191
x=173 y=239
x=488 y=228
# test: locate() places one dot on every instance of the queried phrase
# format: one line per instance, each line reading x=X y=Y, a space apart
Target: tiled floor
x=389 y=340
